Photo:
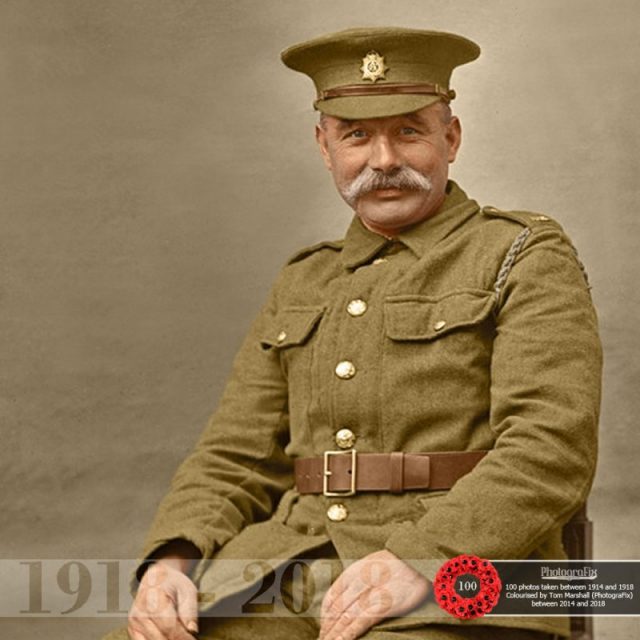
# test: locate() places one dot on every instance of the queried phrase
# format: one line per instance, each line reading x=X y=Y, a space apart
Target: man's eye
x=357 y=133
x=408 y=131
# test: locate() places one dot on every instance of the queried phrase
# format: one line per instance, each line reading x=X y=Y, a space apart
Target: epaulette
x=529 y=219
x=307 y=251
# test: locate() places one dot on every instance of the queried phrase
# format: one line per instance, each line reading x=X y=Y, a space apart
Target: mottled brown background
x=158 y=166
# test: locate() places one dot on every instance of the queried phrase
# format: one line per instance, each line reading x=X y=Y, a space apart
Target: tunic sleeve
x=238 y=469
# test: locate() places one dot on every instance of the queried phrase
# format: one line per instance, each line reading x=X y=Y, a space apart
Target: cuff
x=204 y=546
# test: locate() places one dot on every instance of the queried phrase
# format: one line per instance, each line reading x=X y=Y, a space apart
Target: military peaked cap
x=377 y=72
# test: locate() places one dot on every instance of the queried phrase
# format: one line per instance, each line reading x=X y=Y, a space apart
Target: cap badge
x=373 y=67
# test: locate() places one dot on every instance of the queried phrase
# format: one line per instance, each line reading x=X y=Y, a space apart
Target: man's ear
x=321 y=139
x=454 y=138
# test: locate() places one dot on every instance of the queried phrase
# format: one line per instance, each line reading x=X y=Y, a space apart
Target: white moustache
x=370 y=179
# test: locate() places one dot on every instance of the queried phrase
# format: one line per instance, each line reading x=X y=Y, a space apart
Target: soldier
x=426 y=387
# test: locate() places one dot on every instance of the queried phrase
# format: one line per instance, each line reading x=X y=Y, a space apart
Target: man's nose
x=384 y=155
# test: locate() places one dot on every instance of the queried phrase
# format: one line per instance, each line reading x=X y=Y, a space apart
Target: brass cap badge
x=373 y=67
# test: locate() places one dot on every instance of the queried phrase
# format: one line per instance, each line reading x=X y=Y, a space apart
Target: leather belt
x=344 y=473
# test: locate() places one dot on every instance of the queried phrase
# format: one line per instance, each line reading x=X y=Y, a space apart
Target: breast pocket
x=436 y=367
x=428 y=318
x=290 y=335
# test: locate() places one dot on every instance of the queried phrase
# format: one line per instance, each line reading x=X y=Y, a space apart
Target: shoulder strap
x=336 y=245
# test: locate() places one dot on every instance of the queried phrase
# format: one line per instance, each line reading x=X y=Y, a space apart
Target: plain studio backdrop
x=159 y=166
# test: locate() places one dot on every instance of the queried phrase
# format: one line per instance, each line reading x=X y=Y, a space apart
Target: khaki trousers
x=292 y=629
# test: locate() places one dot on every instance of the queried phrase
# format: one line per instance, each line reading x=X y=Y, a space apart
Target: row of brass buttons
x=345 y=438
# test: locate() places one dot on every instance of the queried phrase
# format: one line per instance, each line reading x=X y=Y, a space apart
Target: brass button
x=282 y=336
x=345 y=370
x=337 y=512
x=439 y=325
x=356 y=307
x=345 y=438
x=379 y=261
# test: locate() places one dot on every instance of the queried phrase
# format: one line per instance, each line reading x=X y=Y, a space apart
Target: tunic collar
x=360 y=244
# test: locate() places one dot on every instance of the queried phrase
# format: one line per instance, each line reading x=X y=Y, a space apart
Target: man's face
x=392 y=171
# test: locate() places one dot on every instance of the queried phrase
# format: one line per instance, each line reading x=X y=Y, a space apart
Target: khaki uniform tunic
x=409 y=345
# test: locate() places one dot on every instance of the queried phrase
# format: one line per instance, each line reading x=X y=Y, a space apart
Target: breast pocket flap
x=419 y=317
x=291 y=326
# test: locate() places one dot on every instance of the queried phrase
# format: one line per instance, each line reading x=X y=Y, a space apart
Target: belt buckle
x=326 y=472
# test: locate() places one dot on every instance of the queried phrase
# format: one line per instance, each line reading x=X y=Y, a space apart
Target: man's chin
x=393 y=213
x=383 y=217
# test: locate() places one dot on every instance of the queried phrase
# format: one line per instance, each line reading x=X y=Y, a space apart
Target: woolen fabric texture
x=517 y=372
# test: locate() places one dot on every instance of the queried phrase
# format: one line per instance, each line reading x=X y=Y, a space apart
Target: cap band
x=356 y=90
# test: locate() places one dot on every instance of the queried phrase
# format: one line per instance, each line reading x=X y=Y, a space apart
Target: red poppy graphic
x=467 y=587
